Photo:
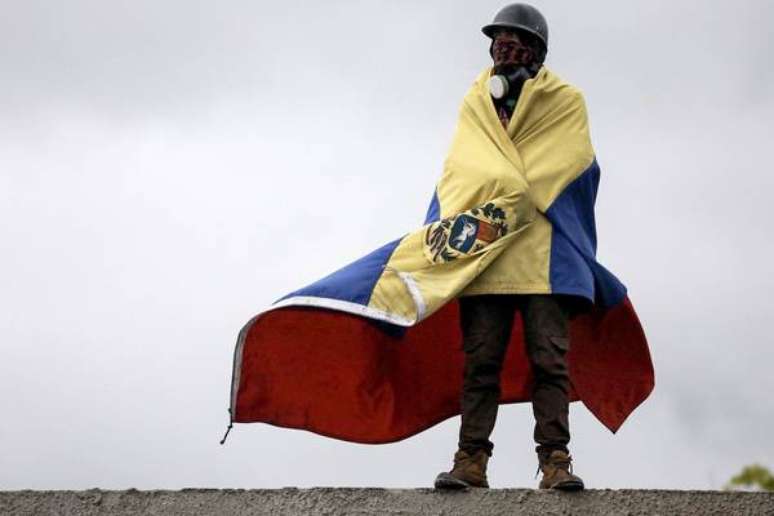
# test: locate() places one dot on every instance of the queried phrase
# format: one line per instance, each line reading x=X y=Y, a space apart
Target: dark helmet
x=521 y=17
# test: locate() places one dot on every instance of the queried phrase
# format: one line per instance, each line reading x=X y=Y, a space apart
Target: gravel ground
x=374 y=501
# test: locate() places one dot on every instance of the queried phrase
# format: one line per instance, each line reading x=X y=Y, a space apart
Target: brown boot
x=557 y=472
x=468 y=471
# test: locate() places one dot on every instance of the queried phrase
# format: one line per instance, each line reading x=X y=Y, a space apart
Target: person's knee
x=549 y=357
x=482 y=369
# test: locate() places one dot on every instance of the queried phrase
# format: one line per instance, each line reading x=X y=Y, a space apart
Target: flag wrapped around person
x=372 y=353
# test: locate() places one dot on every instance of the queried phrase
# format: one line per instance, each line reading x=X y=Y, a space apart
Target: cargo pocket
x=470 y=346
x=563 y=343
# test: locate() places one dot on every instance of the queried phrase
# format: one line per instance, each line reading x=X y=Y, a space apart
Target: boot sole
x=569 y=485
x=447 y=481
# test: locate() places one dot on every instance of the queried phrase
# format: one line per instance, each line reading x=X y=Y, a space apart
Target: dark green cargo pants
x=486 y=322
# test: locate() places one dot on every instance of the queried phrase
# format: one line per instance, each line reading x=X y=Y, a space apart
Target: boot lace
x=565 y=464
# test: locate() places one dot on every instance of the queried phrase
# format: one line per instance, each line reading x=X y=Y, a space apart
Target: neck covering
x=510 y=51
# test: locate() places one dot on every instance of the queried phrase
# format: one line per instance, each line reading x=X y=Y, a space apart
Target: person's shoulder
x=482 y=78
x=556 y=84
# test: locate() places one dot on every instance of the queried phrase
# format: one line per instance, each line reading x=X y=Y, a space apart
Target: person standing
x=371 y=353
x=519 y=43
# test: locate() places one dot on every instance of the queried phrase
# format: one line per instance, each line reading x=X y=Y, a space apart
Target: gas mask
x=508 y=80
x=514 y=63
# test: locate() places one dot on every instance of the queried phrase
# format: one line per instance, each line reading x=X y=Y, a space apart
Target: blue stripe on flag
x=574 y=268
x=434 y=210
x=354 y=282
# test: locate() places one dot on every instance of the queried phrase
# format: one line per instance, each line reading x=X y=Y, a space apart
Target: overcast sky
x=170 y=168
